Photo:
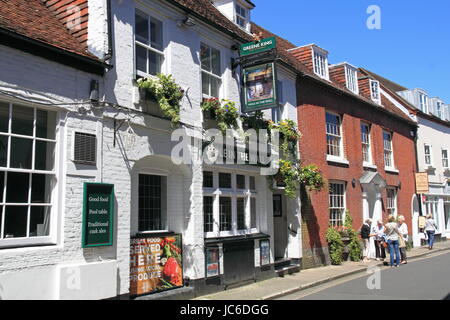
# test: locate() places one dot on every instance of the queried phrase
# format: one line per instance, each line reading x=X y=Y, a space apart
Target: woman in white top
x=430 y=229
x=378 y=230
x=392 y=234
x=403 y=228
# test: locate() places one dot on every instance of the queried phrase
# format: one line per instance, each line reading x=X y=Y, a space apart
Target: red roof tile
x=32 y=19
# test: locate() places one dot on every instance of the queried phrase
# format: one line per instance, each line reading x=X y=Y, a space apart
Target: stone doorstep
x=345 y=274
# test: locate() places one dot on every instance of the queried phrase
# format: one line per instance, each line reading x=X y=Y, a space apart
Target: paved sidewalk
x=278 y=287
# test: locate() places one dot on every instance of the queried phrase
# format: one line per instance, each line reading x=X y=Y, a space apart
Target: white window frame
x=375 y=95
x=234 y=194
x=423 y=102
x=320 y=63
x=390 y=167
x=277 y=112
x=239 y=16
x=341 y=156
x=440 y=109
x=163 y=174
x=344 y=200
x=351 y=78
x=445 y=161
x=367 y=143
x=210 y=73
x=149 y=47
x=391 y=203
x=428 y=157
x=55 y=194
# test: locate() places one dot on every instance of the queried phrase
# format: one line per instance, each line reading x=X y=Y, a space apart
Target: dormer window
x=375 y=91
x=320 y=63
x=423 y=102
x=439 y=109
x=351 y=76
x=241 y=16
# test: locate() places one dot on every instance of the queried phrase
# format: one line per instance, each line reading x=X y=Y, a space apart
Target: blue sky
x=412 y=48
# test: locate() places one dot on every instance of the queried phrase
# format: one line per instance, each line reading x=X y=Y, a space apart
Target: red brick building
x=363 y=144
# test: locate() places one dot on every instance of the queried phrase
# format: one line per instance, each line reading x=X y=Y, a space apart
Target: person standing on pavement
x=430 y=229
x=392 y=235
x=403 y=228
x=378 y=230
x=365 y=235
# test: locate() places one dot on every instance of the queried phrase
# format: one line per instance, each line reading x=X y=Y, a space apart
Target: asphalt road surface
x=424 y=279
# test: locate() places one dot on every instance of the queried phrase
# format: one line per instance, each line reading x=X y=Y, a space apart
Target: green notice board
x=98 y=215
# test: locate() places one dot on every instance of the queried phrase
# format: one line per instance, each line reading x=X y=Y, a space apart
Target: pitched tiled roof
x=32 y=19
x=394 y=87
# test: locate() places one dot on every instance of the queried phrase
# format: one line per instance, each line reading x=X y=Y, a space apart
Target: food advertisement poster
x=156 y=264
x=212 y=262
x=260 y=87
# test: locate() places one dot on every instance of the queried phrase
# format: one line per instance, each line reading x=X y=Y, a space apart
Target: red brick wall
x=313 y=103
x=73 y=14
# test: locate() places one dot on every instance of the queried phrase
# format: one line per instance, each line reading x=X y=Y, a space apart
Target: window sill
x=391 y=170
x=26 y=243
x=369 y=165
x=338 y=160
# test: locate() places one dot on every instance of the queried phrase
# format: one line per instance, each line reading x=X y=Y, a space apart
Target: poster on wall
x=260 y=87
x=156 y=264
x=264 y=247
x=98 y=215
x=212 y=262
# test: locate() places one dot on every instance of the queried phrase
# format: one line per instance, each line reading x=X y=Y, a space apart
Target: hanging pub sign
x=260 y=87
x=422 y=185
x=156 y=264
x=258 y=46
x=98 y=215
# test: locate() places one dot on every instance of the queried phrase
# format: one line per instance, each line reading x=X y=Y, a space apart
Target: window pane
x=156 y=33
x=41 y=187
x=225 y=180
x=252 y=183
x=225 y=214
x=4 y=116
x=215 y=86
x=205 y=84
x=154 y=63
x=1 y=219
x=253 y=212
x=39 y=221
x=22 y=120
x=17 y=187
x=215 y=61
x=141 y=27
x=3 y=151
x=45 y=124
x=240 y=182
x=208 y=214
x=205 y=57
x=44 y=156
x=21 y=153
x=241 y=214
x=141 y=59
x=207 y=179
x=151 y=202
x=16 y=222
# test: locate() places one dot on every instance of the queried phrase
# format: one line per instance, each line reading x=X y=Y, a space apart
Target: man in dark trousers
x=365 y=235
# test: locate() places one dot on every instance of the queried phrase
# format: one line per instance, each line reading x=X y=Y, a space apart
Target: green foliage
x=335 y=245
x=311 y=177
x=289 y=136
x=289 y=174
x=224 y=111
x=355 y=251
x=166 y=92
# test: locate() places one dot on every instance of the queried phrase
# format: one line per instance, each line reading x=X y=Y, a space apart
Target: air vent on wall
x=84 y=148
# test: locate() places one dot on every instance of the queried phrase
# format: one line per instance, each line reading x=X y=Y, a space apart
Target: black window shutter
x=85 y=148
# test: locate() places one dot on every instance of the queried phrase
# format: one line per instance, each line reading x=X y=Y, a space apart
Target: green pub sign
x=258 y=46
x=98 y=215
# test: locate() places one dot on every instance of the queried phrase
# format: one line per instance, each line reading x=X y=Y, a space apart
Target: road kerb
x=339 y=276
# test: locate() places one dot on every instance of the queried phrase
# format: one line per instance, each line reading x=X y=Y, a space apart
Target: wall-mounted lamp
x=400 y=185
x=187 y=22
x=354 y=182
x=94 y=91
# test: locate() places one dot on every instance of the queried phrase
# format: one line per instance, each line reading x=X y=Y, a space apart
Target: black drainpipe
x=109 y=55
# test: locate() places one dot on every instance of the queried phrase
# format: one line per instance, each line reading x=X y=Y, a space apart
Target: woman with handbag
x=403 y=228
x=392 y=236
x=430 y=229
